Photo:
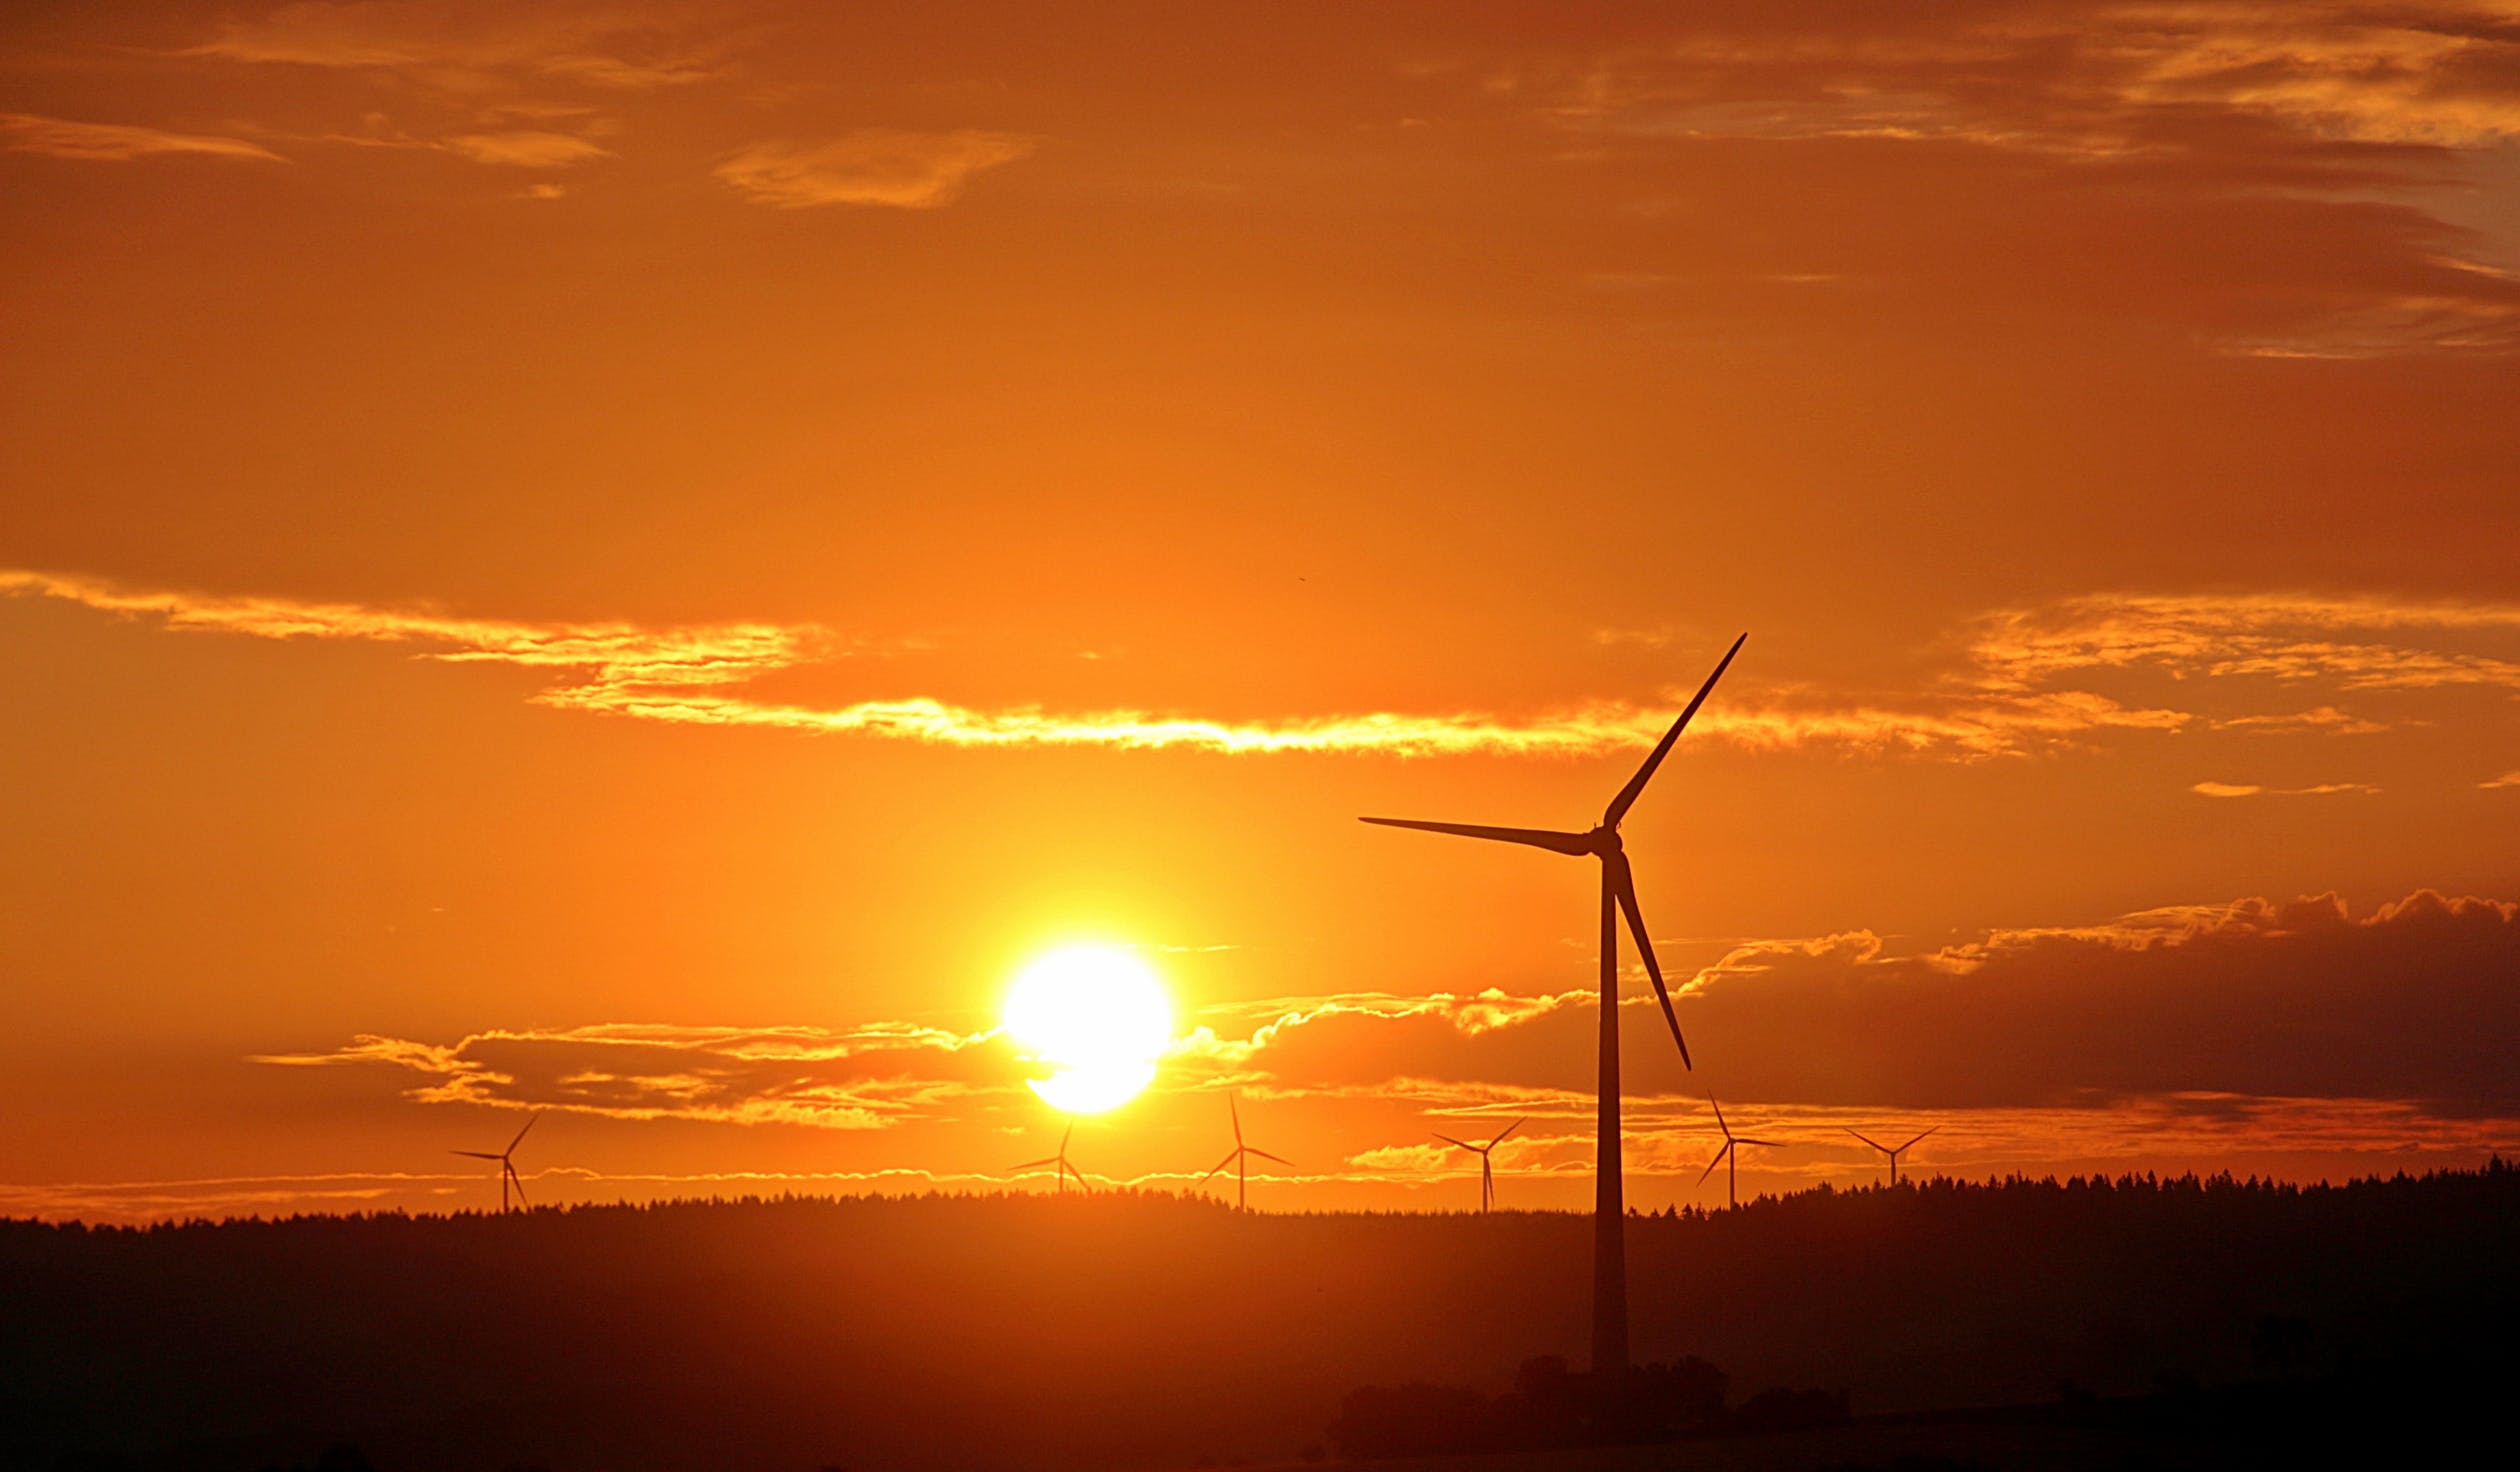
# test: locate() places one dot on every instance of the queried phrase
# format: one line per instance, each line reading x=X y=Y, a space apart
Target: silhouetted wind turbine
x=1061 y=1161
x=1240 y=1160
x=1886 y=1150
x=1729 y=1154
x=507 y=1165
x=1618 y=893
x=1487 y=1175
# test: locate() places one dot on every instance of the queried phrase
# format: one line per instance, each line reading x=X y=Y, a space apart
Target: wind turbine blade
x=1575 y=844
x=1036 y=1164
x=1627 y=795
x=1867 y=1139
x=1449 y=1140
x=1066 y=1135
x=1220 y=1165
x=1236 y=1113
x=1265 y=1155
x=1718 y=1160
x=1719 y=1117
x=1919 y=1137
x=520 y=1185
x=1623 y=883
x=477 y=1154
x=520 y=1134
x=1509 y=1129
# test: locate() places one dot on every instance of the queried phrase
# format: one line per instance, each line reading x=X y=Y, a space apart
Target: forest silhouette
x=1127 y=1330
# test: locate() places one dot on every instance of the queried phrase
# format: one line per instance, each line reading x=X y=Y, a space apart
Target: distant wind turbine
x=1618 y=893
x=1728 y=1157
x=1240 y=1159
x=1894 y=1154
x=1061 y=1161
x=507 y=1164
x=1487 y=1173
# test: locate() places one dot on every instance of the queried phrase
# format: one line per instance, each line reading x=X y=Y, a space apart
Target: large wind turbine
x=1618 y=893
x=1487 y=1173
x=1886 y=1150
x=1061 y=1161
x=507 y=1164
x=1240 y=1160
x=1728 y=1157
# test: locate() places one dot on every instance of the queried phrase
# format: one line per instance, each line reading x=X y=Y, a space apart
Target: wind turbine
x=507 y=1165
x=1487 y=1174
x=1729 y=1154
x=1061 y=1161
x=1240 y=1160
x=1886 y=1150
x=1618 y=893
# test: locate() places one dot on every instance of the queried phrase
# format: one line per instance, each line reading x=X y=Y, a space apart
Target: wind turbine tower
x=1487 y=1173
x=1894 y=1154
x=507 y=1164
x=1240 y=1160
x=1728 y=1157
x=1061 y=1161
x=1618 y=894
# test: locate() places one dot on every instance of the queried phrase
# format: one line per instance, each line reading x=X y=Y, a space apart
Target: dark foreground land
x=2136 y=1323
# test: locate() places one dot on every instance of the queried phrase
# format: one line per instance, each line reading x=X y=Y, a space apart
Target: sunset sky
x=643 y=559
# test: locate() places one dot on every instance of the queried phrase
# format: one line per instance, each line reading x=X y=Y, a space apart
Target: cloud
x=461 y=46
x=2439 y=75
x=2507 y=779
x=2417 y=1001
x=864 y=1078
x=527 y=149
x=2363 y=643
x=2177 y=141
x=2004 y=699
x=117 y=142
x=2244 y=789
x=2325 y=718
x=695 y=676
x=872 y=166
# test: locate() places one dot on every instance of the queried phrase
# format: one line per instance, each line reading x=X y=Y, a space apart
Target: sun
x=1097 y=1018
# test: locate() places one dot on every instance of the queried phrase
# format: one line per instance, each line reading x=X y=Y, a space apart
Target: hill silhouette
x=1136 y=1330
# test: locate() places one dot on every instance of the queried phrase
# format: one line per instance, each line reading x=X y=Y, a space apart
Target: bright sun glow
x=1097 y=1018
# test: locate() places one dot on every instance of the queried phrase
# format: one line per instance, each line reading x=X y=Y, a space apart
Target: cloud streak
x=2249 y=789
x=117 y=142
x=2006 y=699
x=886 y=167
x=622 y=48
x=867 y=1078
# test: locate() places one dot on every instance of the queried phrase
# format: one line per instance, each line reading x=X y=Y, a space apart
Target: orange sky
x=640 y=559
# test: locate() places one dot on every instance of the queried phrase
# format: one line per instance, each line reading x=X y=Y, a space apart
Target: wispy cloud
x=862 y=1078
x=2356 y=643
x=2015 y=689
x=2251 y=789
x=621 y=47
x=696 y=676
x=2507 y=779
x=526 y=149
x=2226 y=120
x=117 y=142
x=871 y=166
